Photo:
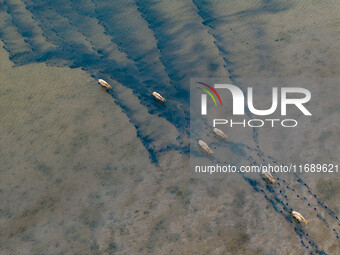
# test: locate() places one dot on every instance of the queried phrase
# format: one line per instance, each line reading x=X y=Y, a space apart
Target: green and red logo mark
x=204 y=97
x=209 y=93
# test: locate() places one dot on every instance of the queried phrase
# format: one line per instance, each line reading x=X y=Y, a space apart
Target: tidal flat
x=86 y=171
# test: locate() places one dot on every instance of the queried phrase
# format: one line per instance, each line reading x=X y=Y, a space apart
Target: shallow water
x=88 y=172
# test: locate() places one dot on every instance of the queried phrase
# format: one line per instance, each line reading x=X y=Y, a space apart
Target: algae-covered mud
x=86 y=170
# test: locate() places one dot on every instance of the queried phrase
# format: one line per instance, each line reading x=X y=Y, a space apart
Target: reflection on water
x=84 y=172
